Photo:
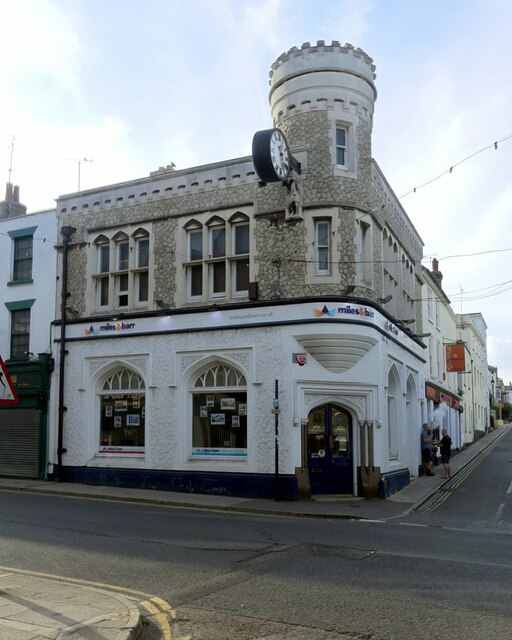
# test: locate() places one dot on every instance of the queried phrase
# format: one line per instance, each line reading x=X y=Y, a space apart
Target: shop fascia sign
x=345 y=310
x=116 y=326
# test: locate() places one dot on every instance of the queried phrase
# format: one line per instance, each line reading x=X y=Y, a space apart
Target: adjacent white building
x=474 y=381
x=27 y=309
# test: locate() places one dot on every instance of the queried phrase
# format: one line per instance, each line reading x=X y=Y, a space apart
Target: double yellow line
x=159 y=609
x=466 y=471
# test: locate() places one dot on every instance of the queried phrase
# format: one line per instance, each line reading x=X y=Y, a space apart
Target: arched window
x=122 y=413
x=219 y=413
x=393 y=413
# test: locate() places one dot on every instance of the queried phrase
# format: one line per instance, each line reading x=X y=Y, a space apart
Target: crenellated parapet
x=322 y=76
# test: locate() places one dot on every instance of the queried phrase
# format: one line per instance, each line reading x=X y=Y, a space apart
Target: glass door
x=329 y=442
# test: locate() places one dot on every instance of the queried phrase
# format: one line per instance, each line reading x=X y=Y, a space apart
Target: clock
x=271 y=156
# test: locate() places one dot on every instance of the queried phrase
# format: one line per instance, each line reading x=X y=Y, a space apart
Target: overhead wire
x=493 y=145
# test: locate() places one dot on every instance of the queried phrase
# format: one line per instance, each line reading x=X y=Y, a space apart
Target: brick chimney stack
x=436 y=274
x=11 y=206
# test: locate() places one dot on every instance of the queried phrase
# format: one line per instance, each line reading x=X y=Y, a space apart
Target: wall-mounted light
x=385 y=300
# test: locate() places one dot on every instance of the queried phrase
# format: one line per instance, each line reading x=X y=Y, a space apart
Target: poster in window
x=227 y=404
x=218 y=418
x=132 y=420
x=242 y=409
x=136 y=402
x=109 y=411
x=235 y=421
x=121 y=405
x=203 y=412
x=210 y=402
x=117 y=422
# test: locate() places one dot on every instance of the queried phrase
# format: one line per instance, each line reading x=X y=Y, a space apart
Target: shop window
x=219 y=414
x=122 y=414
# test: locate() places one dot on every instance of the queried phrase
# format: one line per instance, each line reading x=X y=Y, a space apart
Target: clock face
x=271 y=156
x=280 y=154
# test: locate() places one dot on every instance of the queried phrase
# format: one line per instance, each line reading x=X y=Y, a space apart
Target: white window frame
x=219 y=379
x=122 y=383
x=323 y=247
x=129 y=257
x=218 y=265
x=239 y=256
x=341 y=147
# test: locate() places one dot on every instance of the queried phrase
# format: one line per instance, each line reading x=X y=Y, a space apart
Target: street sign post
x=8 y=393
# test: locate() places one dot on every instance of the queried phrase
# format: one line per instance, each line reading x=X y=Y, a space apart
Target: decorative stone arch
x=238 y=216
x=120 y=236
x=100 y=239
x=192 y=224
x=394 y=405
x=411 y=405
x=140 y=232
x=215 y=221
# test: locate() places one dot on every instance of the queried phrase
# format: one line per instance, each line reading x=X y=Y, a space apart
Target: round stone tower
x=322 y=96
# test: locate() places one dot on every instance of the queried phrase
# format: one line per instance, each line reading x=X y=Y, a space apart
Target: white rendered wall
x=43 y=285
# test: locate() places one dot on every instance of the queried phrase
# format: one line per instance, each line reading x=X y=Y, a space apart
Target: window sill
x=20 y=281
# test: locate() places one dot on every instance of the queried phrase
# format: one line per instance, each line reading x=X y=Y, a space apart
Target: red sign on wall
x=455 y=358
x=8 y=393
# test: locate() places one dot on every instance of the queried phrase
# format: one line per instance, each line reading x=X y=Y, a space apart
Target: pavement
x=40 y=607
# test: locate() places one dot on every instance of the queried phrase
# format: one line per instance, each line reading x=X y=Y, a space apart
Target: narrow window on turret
x=323 y=247
x=341 y=146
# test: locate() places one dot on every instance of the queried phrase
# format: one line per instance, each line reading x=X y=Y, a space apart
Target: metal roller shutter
x=19 y=442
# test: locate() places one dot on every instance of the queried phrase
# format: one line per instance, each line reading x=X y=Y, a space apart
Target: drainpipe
x=67 y=232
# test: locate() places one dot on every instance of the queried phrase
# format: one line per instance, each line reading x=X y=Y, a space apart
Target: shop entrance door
x=329 y=442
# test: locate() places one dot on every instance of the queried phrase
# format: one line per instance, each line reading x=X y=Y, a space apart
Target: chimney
x=436 y=274
x=11 y=206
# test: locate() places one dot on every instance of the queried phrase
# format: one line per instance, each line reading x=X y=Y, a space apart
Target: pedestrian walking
x=426 y=450
x=445 y=446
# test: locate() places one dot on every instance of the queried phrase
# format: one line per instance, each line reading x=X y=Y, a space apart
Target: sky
x=94 y=92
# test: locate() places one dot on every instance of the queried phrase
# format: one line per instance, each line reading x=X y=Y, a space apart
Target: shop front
x=186 y=402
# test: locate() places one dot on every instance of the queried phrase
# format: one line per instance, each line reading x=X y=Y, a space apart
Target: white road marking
x=498 y=512
x=509 y=490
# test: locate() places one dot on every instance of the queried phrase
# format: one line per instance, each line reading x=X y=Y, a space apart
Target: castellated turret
x=322 y=96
